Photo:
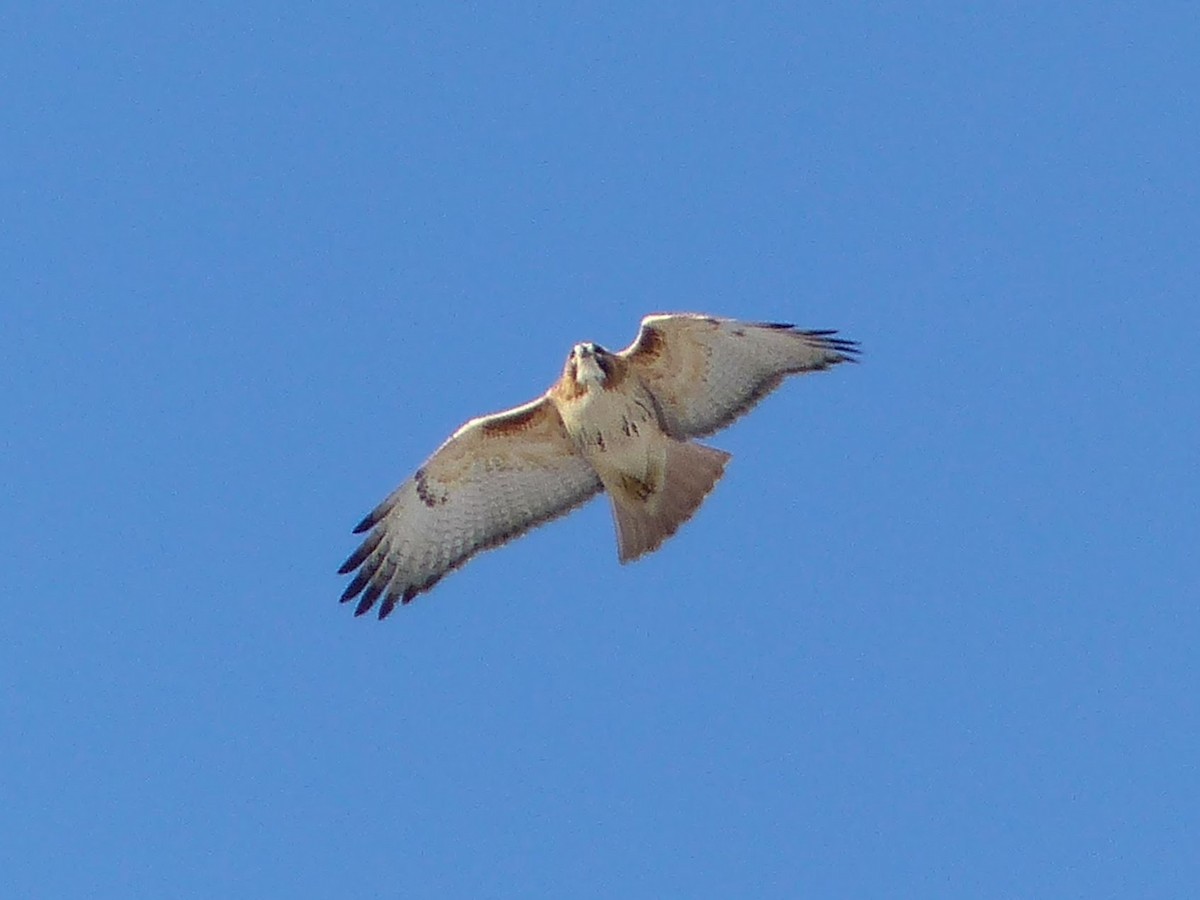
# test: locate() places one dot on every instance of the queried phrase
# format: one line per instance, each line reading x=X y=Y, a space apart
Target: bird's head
x=589 y=364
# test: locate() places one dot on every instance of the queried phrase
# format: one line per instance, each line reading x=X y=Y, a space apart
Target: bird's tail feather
x=648 y=514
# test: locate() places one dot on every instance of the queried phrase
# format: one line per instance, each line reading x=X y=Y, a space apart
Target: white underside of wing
x=477 y=491
x=705 y=371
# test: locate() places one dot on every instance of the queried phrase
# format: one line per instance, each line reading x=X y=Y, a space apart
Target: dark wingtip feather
x=848 y=350
x=368 y=521
x=825 y=337
x=365 y=549
x=375 y=516
x=368 y=599
x=354 y=588
x=393 y=597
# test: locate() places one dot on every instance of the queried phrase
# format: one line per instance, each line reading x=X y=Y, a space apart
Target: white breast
x=615 y=430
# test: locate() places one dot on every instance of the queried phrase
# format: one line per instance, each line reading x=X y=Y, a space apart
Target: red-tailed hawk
x=616 y=422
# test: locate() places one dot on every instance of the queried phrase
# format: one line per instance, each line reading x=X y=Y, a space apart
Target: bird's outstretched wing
x=494 y=479
x=705 y=372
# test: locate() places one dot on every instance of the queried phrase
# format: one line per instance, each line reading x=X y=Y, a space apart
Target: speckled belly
x=615 y=431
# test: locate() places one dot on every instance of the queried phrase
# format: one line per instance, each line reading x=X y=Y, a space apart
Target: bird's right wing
x=497 y=477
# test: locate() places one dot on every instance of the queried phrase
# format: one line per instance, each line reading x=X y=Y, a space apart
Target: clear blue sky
x=935 y=633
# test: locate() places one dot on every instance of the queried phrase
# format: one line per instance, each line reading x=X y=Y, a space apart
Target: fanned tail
x=648 y=514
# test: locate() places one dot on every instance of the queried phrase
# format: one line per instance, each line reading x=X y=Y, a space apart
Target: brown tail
x=648 y=514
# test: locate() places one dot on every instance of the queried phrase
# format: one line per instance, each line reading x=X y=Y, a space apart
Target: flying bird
x=623 y=423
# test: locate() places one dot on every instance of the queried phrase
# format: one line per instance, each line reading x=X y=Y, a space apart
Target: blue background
x=934 y=635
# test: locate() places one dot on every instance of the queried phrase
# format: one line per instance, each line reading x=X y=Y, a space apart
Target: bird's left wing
x=497 y=477
x=705 y=372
